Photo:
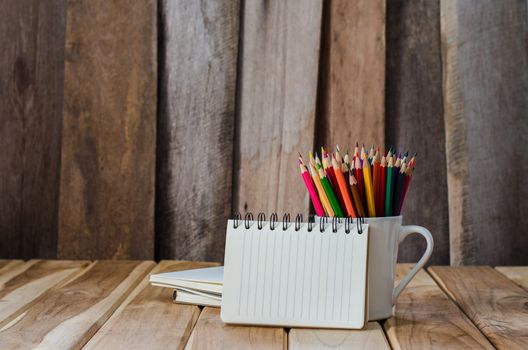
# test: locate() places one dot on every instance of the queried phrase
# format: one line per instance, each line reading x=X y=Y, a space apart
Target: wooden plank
x=518 y=274
x=425 y=317
x=6 y=264
x=31 y=95
x=276 y=99
x=415 y=119
x=352 y=82
x=68 y=316
x=148 y=318
x=24 y=284
x=198 y=57
x=211 y=333
x=494 y=303
x=370 y=338
x=486 y=75
x=108 y=141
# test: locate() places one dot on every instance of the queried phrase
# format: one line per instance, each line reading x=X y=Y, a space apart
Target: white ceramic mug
x=385 y=235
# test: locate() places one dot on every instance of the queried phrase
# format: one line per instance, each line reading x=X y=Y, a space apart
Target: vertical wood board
x=276 y=99
x=108 y=151
x=198 y=56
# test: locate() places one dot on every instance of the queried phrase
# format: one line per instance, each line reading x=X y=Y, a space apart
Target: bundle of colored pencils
x=359 y=185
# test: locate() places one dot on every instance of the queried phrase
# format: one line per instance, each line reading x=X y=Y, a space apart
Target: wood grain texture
x=371 y=337
x=415 y=119
x=278 y=69
x=68 y=316
x=6 y=264
x=211 y=333
x=31 y=95
x=496 y=305
x=352 y=80
x=148 y=318
x=24 y=284
x=198 y=56
x=518 y=274
x=425 y=317
x=485 y=87
x=108 y=149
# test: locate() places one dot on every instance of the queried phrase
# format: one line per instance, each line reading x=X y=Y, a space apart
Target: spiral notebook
x=296 y=274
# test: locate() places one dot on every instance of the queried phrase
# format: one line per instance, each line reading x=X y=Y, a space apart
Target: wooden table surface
x=55 y=304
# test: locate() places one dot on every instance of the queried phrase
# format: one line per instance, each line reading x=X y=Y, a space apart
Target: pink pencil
x=311 y=190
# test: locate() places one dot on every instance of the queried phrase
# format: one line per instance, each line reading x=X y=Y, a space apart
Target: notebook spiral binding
x=261 y=218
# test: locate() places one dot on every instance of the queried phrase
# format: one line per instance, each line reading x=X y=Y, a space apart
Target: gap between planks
x=86 y=302
x=492 y=301
x=148 y=318
x=438 y=320
x=22 y=284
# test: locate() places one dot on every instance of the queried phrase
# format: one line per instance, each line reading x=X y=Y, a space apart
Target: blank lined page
x=295 y=278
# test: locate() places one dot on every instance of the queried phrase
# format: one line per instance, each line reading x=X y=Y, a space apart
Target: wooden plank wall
x=108 y=138
x=198 y=55
x=278 y=67
x=122 y=140
x=352 y=85
x=485 y=65
x=414 y=118
x=31 y=81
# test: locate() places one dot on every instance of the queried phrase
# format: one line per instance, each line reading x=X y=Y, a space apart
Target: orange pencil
x=343 y=188
x=355 y=195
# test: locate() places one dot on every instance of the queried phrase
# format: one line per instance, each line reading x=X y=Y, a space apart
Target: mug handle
x=405 y=231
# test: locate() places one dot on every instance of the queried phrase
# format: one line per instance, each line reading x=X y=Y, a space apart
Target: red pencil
x=358 y=172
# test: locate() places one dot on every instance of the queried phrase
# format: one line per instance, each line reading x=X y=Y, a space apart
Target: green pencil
x=330 y=194
x=389 y=186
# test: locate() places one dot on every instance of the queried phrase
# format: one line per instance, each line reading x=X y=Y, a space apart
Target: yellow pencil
x=367 y=178
x=322 y=195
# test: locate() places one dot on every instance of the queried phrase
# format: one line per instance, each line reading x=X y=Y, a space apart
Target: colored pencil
x=311 y=189
x=398 y=191
x=389 y=187
x=376 y=176
x=343 y=187
x=380 y=201
x=407 y=182
x=367 y=178
x=358 y=173
x=355 y=195
x=346 y=166
x=327 y=163
x=322 y=194
x=352 y=185
x=330 y=193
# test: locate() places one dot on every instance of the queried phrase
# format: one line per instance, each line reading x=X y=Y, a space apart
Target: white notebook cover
x=295 y=278
x=207 y=279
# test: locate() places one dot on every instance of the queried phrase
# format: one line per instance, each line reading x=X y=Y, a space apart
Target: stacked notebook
x=198 y=287
x=288 y=274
